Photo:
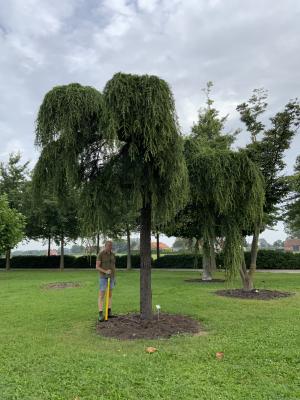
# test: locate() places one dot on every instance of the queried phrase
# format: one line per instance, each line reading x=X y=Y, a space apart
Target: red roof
x=292 y=245
x=292 y=242
x=162 y=246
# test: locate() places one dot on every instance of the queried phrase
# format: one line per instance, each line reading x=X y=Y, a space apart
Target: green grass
x=49 y=348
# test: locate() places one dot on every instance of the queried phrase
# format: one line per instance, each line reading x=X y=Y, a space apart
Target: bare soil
x=255 y=294
x=131 y=326
x=199 y=280
x=61 y=285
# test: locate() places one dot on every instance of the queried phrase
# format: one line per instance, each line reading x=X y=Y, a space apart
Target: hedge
x=70 y=261
x=275 y=259
x=266 y=259
x=177 y=261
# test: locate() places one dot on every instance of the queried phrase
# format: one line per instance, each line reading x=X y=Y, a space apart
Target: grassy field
x=49 y=348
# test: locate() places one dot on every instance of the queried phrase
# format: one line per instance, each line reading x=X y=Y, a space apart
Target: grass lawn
x=49 y=348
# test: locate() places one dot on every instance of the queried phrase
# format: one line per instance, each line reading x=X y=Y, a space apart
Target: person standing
x=106 y=265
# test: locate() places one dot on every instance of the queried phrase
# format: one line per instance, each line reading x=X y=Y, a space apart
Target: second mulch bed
x=61 y=285
x=199 y=280
x=131 y=326
x=255 y=294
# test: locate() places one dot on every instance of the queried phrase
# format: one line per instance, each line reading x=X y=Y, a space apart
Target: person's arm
x=98 y=267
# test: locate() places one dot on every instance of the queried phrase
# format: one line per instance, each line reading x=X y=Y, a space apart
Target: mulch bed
x=131 y=326
x=199 y=280
x=61 y=285
x=255 y=294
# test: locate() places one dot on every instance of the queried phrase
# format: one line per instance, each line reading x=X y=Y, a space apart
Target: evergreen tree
x=13 y=180
x=266 y=150
x=12 y=225
x=124 y=144
x=292 y=215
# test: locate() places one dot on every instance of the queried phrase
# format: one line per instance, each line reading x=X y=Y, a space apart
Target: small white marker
x=158 y=309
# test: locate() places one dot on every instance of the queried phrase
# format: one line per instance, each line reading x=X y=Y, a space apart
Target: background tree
x=13 y=179
x=232 y=198
x=278 y=244
x=181 y=244
x=12 y=225
x=77 y=249
x=41 y=216
x=266 y=150
x=51 y=216
x=263 y=244
x=191 y=222
x=123 y=220
x=292 y=214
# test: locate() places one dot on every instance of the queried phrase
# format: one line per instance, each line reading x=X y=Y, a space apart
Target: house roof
x=292 y=242
x=162 y=246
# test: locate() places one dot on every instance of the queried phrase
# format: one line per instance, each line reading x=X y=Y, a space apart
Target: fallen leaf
x=151 y=349
x=219 y=355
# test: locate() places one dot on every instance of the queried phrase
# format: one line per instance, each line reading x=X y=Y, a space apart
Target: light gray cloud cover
x=238 y=45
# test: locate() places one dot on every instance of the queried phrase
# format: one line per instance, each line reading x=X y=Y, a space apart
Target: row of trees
x=116 y=162
x=44 y=218
x=201 y=219
x=123 y=152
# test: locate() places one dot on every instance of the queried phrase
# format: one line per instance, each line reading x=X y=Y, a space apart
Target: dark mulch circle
x=131 y=326
x=61 y=285
x=256 y=294
x=199 y=280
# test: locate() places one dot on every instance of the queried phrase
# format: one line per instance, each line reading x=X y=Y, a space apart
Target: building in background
x=292 y=245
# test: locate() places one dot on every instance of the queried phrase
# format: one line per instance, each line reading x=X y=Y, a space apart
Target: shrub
x=70 y=261
x=40 y=261
x=84 y=262
x=177 y=261
x=275 y=259
x=121 y=261
x=266 y=259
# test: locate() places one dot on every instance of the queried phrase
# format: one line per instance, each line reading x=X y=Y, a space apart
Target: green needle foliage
x=292 y=215
x=122 y=145
x=144 y=117
x=266 y=150
x=70 y=132
x=233 y=197
x=223 y=186
x=70 y=112
x=150 y=165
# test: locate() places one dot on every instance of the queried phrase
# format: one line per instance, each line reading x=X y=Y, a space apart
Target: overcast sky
x=239 y=45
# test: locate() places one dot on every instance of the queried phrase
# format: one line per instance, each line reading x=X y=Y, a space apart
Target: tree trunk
x=49 y=245
x=98 y=243
x=212 y=255
x=206 y=262
x=62 y=259
x=128 y=248
x=248 y=276
x=157 y=245
x=145 y=252
x=7 y=260
x=196 y=253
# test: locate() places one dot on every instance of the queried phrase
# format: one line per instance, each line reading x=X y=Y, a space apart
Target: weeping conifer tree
x=123 y=144
x=152 y=168
x=234 y=192
x=68 y=132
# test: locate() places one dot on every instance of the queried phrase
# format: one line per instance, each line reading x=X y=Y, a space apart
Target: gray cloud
x=238 y=45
